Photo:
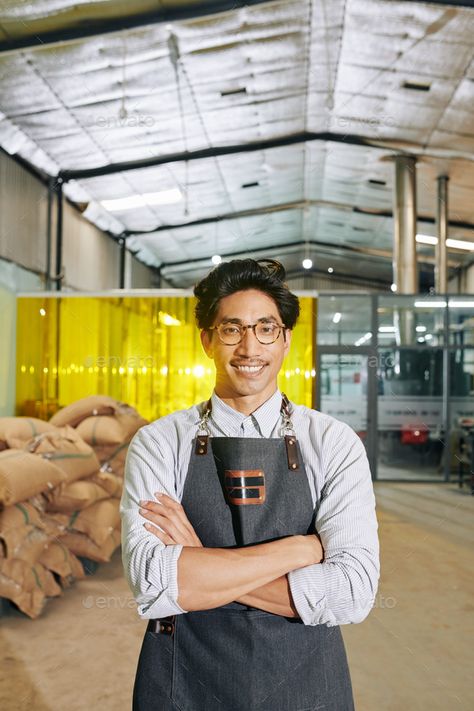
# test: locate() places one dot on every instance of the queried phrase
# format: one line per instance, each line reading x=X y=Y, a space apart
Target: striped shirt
x=341 y=589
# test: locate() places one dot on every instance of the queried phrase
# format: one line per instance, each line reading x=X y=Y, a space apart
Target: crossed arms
x=258 y=572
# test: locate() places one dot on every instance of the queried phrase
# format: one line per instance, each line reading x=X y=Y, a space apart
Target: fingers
x=165 y=537
x=173 y=511
x=171 y=518
x=171 y=525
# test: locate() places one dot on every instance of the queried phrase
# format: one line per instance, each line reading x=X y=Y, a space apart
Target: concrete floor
x=411 y=654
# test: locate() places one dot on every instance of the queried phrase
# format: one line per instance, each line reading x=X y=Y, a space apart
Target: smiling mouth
x=250 y=369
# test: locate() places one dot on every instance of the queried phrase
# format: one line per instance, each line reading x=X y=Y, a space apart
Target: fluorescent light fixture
x=428 y=336
x=216 y=259
x=164 y=197
x=387 y=329
x=337 y=317
x=393 y=287
x=460 y=244
x=461 y=304
x=452 y=243
x=366 y=337
x=420 y=329
x=430 y=304
x=307 y=263
x=426 y=239
x=421 y=339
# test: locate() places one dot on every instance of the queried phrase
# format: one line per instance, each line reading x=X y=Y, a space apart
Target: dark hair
x=266 y=275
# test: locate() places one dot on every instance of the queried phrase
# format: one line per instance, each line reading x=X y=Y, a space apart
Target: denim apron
x=240 y=492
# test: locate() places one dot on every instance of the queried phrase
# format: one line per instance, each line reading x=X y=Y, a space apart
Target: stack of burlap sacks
x=60 y=489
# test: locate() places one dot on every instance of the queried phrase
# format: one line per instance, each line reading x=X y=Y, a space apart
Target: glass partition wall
x=400 y=371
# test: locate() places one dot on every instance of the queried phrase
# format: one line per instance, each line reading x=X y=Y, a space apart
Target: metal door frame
x=370 y=352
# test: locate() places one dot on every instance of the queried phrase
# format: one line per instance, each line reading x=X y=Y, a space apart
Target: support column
x=441 y=264
x=49 y=233
x=122 y=243
x=59 y=234
x=405 y=270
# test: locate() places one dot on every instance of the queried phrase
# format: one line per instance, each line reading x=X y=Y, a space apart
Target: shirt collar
x=265 y=418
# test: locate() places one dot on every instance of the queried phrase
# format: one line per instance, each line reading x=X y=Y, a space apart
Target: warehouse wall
x=23 y=216
x=90 y=258
x=12 y=279
x=138 y=274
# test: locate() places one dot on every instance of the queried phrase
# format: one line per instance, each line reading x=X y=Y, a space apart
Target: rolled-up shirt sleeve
x=150 y=566
x=341 y=589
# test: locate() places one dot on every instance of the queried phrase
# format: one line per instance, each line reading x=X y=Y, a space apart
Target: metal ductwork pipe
x=441 y=262
x=405 y=270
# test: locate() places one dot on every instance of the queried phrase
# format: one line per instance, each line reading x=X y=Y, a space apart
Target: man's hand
x=173 y=524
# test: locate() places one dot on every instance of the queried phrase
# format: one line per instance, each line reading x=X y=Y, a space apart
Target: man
x=260 y=536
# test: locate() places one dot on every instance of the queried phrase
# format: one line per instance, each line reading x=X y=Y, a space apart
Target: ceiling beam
x=253 y=146
x=216 y=151
x=289 y=248
x=298 y=205
x=97 y=27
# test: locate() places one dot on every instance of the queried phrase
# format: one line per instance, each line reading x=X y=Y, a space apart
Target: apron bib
x=240 y=492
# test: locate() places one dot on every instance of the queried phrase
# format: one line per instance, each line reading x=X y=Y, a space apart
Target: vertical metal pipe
x=59 y=234
x=122 y=243
x=49 y=235
x=441 y=265
x=404 y=215
x=448 y=354
x=372 y=389
x=405 y=271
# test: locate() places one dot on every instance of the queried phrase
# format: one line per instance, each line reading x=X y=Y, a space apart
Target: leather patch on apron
x=244 y=486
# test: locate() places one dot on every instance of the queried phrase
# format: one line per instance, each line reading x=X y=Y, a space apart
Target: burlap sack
x=23 y=475
x=130 y=420
x=112 y=429
x=24 y=542
x=65 y=448
x=112 y=458
x=86 y=407
x=97 y=521
x=55 y=524
x=60 y=560
x=21 y=429
x=27 y=585
x=20 y=514
x=75 y=496
x=101 y=430
x=111 y=483
x=80 y=544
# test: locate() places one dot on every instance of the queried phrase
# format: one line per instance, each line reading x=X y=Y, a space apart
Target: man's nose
x=249 y=342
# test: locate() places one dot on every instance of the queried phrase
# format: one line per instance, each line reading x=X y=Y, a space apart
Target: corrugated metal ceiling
x=251 y=74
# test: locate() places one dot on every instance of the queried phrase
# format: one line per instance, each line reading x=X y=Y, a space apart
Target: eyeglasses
x=231 y=334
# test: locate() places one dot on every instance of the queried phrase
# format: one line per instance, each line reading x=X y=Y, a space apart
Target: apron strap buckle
x=292 y=452
x=202 y=443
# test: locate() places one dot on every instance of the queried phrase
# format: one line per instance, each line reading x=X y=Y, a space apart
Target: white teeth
x=250 y=368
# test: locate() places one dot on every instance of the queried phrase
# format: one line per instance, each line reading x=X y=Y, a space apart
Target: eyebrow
x=263 y=319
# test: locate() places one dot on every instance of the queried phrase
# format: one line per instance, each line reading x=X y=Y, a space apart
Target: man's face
x=249 y=368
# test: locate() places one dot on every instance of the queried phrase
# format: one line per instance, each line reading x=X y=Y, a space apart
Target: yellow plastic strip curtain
x=142 y=350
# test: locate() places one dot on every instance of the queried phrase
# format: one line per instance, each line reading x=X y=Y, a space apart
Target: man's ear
x=287 y=339
x=206 y=340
